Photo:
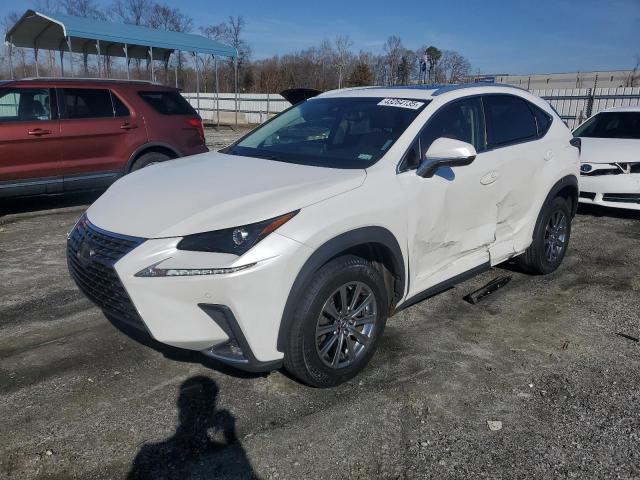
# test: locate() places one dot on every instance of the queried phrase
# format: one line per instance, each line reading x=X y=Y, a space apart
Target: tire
x=550 y=239
x=149 y=159
x=317 y=327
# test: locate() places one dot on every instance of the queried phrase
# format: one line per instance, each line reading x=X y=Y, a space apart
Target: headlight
x=235 y=240
x=154 y=271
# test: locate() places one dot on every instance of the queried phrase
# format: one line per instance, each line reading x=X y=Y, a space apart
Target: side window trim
x=489 y=125
x=113 y=96
x=401 y=168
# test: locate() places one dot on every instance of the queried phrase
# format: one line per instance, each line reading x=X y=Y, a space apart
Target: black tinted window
x=87 y=103
x=168 y=103
x=543 y=120
x=462 y=120
x=21 y=104
x=509 y=119
x=119 y=108
x=611 y=125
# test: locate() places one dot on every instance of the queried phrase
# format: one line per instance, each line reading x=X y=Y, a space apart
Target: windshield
x=332 y=132
x=611 y=125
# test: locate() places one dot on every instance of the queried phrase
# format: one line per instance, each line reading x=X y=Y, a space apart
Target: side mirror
x=446 y=152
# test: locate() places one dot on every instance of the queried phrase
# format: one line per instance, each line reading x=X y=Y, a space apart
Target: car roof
x=422 y=92
x=69 y=81
x=628 y=108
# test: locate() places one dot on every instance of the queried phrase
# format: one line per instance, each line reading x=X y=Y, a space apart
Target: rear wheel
x=148 y=159
x=550 y=239
x=338 y=322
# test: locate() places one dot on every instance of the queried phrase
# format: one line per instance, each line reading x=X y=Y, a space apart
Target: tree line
x=332 y=64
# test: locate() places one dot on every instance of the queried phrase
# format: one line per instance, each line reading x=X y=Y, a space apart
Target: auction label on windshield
x=401 y=102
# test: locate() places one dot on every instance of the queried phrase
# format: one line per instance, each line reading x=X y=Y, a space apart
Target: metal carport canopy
x=56 y=31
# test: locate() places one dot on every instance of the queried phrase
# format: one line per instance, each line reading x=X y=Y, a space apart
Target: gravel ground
x=79 y=399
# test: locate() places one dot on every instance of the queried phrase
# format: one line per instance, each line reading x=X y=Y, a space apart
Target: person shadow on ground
x=204 y=445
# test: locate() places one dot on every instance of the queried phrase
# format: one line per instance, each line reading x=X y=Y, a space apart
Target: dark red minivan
x=60 y=135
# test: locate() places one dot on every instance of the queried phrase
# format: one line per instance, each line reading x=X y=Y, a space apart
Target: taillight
x=197 y=124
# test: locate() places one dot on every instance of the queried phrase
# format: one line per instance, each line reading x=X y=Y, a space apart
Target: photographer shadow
x=204 y=444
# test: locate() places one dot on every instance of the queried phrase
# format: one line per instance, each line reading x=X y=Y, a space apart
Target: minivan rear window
x=168 y=103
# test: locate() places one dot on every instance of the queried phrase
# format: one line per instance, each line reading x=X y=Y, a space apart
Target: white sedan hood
x=212 y=191
x=609 y=150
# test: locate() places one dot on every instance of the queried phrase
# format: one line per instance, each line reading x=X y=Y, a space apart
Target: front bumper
x=617 y=191
x=232 y=317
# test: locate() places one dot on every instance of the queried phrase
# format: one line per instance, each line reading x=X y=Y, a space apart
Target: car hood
x=212 y=191
x=609 y=150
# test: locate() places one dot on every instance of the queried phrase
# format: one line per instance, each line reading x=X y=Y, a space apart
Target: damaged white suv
x=295 y=244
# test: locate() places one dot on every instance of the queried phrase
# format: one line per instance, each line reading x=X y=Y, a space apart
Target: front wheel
x=550 y=239
x=338 y=322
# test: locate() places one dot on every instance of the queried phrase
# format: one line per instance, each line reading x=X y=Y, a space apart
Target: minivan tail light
x=197 y=124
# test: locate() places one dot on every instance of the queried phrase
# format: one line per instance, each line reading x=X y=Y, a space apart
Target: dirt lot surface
x=79 y=399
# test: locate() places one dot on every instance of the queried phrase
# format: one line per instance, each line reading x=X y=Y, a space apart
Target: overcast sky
x=535 y=36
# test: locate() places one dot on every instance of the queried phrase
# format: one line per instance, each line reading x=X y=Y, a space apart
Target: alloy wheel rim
x=555 y=236
x=346 y=325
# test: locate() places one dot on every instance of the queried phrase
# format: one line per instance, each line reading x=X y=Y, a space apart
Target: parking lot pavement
x=79 y=399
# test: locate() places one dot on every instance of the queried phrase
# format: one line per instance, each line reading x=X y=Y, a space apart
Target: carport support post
x=235 y=68
x=153 y=72
x=99 y=59
x=215 y=64
x=126 y=57
x=35 y=57
x=11 y=56
x=70 y=55
x=195 y=56
x=175 y=67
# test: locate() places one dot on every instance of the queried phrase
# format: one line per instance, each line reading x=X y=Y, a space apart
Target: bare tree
x=394 y=50
x=343 y=46
x=452 y=68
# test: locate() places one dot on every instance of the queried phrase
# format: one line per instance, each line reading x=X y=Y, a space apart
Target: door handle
x=128 y=126
x=39 y=131
x=489 y=178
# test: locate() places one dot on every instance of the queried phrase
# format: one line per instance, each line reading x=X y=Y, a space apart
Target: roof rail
x=459 y=86
x=90 y=79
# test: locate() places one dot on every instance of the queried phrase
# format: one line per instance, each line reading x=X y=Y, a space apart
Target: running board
x=441 y=287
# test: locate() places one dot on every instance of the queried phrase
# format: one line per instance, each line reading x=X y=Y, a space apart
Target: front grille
x=91 y=255
x=621 y=197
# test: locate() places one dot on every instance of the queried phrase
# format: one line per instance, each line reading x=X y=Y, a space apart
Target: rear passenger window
x=167 y=103
x=24 y=104
x=119 y=108
x=509 y=120
x=87 y=103
x=543 y=120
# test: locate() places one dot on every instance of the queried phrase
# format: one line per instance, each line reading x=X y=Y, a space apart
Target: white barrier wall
x=576 y=104
x=573 y=104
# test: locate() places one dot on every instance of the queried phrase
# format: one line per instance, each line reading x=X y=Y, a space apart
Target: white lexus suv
x=295 y=244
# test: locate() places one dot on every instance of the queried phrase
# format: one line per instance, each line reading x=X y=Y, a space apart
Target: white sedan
x=610 y=158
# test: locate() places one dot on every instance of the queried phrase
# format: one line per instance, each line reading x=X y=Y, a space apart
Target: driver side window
x=461 y=120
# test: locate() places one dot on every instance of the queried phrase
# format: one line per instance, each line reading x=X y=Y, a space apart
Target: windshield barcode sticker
x=402 y=103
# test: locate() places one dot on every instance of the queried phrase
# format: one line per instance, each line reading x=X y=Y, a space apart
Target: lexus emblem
x=85 y=253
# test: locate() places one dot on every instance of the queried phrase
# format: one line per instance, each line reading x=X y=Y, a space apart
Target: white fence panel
x=574 y=105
